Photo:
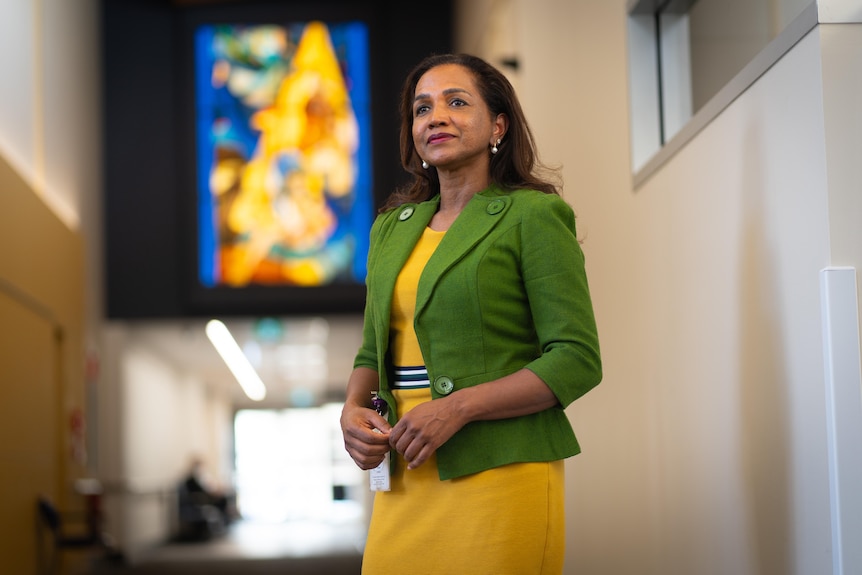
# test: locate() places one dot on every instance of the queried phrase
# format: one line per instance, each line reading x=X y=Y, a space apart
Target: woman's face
x=452 y=126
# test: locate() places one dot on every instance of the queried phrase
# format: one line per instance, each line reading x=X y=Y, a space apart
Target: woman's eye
x=458 y=102
x=420 y=110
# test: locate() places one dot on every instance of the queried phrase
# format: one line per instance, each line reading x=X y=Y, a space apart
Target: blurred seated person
x=204 y=510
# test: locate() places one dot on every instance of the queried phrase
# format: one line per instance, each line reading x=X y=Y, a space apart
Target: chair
x=67 y=531
x=198 y=518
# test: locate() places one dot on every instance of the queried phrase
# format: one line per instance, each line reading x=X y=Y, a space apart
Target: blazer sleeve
x=555 y=280
x=367 y=354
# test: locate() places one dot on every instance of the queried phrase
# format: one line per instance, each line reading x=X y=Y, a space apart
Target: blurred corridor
x=303 y=547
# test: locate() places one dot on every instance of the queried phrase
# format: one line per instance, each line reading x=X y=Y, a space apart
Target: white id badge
x=379 y=477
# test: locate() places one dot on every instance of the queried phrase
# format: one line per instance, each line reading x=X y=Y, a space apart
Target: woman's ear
x=501 y=126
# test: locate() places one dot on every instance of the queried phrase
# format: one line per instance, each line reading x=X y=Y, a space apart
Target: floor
x=253 y=548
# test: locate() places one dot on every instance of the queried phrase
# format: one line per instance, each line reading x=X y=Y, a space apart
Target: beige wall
x=48 y=169
x=41 y=368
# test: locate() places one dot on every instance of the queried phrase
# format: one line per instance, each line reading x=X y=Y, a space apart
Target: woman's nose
x=438 y=116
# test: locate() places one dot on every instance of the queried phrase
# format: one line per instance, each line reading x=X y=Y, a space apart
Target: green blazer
x=505 y=289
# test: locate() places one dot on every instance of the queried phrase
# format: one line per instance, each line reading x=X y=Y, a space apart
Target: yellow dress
x=504 y=521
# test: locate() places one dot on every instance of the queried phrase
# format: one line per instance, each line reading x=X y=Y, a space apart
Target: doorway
x=291 y=466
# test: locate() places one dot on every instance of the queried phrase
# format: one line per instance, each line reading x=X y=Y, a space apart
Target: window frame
x=650 y=148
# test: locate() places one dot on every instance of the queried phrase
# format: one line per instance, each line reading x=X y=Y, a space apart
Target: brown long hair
x=513 y=167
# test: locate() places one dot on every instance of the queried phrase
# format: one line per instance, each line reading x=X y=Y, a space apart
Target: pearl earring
x=424 y=164
x=494 y=150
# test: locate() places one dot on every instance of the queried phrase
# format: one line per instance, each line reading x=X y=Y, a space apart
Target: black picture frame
x=149 y=152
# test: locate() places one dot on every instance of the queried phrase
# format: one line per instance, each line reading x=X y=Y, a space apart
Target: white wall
x=839 y=11
x=842 y=94
x=18 y=60
x=170 y=416
x=841 y=46
x=157 y=417
x=705 y=446
x=49 y=107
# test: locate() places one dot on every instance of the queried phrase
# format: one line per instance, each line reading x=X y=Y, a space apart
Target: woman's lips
x=439 y=138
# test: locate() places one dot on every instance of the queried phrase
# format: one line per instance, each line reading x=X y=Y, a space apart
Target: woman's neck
x=456 y=190
x=455 y=194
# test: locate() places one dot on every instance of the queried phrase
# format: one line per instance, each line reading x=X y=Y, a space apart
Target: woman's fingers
x=364 y=440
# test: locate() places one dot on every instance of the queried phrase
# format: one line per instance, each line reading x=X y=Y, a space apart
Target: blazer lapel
x=411 y=221
x=477 y=219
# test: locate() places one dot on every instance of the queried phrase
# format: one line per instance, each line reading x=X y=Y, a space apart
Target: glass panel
x=725 y=35
x=682 y=53
x=676 y=102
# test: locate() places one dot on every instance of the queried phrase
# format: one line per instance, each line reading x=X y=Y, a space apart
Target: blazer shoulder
x=535 y=196
x=384 y=221
x=539 y=204
x=404 y=212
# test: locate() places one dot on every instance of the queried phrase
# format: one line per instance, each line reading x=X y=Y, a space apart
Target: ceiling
x=302 y=361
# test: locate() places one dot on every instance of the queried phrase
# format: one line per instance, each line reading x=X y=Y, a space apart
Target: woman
x=478 y=332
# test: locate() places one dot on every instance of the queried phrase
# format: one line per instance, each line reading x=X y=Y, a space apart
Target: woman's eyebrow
x=446 y=92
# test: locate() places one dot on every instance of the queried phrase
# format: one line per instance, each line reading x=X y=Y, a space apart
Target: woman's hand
x=429 y=425
x=423 y=429
x=366 y=435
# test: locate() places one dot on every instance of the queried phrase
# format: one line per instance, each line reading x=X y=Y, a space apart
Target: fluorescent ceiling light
x=236 y=360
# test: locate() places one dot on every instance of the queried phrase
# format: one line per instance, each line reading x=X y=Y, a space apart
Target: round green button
x=444 y=385
x=496 y=206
